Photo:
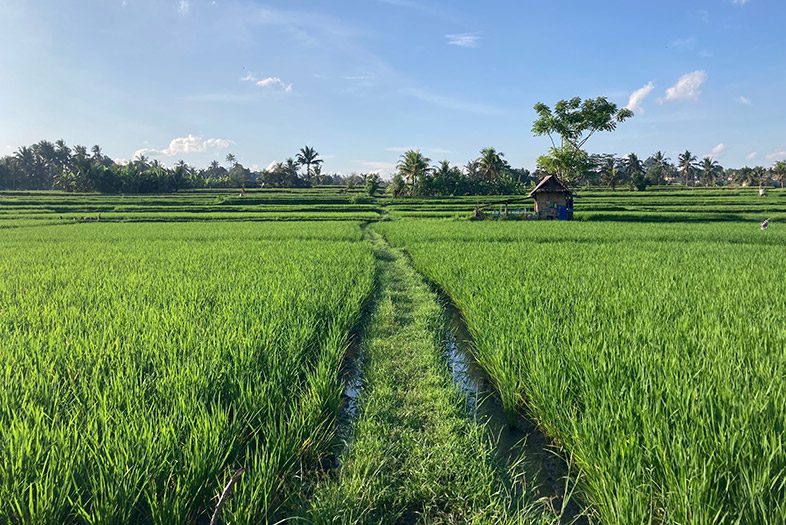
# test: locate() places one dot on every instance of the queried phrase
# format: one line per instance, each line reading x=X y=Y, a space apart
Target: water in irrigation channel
x=352 y=374
x=516 y=436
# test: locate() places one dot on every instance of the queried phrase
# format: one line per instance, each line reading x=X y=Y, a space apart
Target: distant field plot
x=225 y=205
x=143 y=364
x=655 y=353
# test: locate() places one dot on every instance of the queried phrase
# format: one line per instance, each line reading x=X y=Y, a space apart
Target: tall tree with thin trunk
x=687 y=165
x=308 y=156
x=569 y=126
x=709 y=170
x=412 y=167
x=492 y=164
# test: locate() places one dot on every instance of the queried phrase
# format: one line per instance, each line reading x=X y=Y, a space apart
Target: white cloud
x=744 y=100
x=688 y=87
x=740 y=2
x=271 y=165
x=185 y=146
x=778 y=154
x=377 y=166
x=464 y=39
x=718 y=150
x=184 y=6
x=269 y=82
x=637 y=97
x=752 y=155
x=272 y=82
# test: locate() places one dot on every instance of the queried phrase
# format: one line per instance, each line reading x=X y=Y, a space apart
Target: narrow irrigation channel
x=518 y=439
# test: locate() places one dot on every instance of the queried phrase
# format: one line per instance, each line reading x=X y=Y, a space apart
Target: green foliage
x=652 y=353
x=574 y=122
x=143 y=364
x=373 y=183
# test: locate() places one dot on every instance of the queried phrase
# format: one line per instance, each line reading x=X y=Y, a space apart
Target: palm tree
x=709 y=168
x=634 y=170
x=308 y=156
x=658 y=167
x=687 y=165
x=491 y=164
x=413 y=166
x=609 y=171
x=779 y=171
x=63 y=153
x=24 y=164
x=231 y=159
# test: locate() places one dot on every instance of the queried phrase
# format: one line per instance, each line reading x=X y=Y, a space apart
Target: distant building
x=553 y=199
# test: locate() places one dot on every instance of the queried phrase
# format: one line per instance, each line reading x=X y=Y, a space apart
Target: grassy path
x=415 y=455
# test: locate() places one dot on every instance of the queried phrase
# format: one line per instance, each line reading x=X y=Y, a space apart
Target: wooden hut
x=553 y=199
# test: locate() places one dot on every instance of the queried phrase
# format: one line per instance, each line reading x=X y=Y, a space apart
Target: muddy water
x=518 y=438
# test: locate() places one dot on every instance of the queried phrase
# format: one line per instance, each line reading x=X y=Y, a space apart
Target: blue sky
x=362 y=80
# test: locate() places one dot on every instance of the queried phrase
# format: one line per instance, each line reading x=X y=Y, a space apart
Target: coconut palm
x=687 y=165
x=231 y=159
x=413 y=166
x=491 y=164
x=634 y=170
x=308 y=156
x=609 y=170
x=709 y=169
x=63 y=153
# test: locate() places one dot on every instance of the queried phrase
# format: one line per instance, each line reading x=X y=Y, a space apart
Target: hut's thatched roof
x=550 y=184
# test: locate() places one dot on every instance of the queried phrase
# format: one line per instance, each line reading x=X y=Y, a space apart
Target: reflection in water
x=518 y=439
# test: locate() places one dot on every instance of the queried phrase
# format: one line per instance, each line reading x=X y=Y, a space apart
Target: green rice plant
x=144 y=364
x=654 y=354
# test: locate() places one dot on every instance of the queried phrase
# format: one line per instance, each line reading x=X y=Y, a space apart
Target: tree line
x=687 y=170
x=56 y=166
x=488 y=174
x=47 y=166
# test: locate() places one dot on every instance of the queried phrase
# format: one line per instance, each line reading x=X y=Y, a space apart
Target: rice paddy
x=655 y=355
x=151 y=348
x=144 y=364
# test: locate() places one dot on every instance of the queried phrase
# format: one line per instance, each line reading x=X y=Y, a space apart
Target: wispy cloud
x=687 y=42
x=449 y=102
x=267 y=82
x=636 y=98
x=184 y=146
x=739 y=2
x=184 y=6
x=778 y=154
x=752 y=155
x=744 y=100
x=688 y=87
x=464 y=39
x=718 y=150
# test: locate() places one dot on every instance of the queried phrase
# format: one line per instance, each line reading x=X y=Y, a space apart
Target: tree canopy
x=569 y=126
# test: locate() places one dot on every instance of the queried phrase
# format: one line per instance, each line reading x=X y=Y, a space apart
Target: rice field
x=153 y=347
x=654 y=354
x=142 y=365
